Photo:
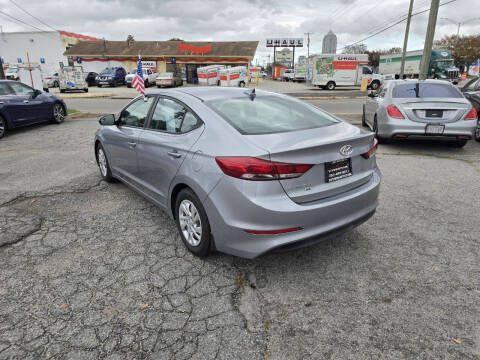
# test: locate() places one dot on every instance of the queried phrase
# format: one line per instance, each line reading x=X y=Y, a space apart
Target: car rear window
x=424 y=90
x=270 y=114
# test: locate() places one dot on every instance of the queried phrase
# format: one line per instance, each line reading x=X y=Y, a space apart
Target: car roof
x=414 y=81
x=218 y=92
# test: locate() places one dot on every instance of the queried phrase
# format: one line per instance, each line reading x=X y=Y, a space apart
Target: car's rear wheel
x=380 y=139
x=103 y=164
x=192 y=223
x=330 y=85
x=3 y=127
x=56 y=84
x=374 y=85
x=242 y=84
x=58 y=113
x=146 y=84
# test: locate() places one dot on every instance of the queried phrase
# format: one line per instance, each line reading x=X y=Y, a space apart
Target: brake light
x=372 y=150
x=393 y=112
x=472 y=115
x=251 y=168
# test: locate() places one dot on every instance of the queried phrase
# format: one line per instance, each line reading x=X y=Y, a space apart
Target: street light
x=459 y=23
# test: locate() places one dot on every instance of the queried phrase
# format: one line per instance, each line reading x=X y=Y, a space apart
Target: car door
x=122 y=141
x=472 y=92
x=28 y=107
x=168 y=137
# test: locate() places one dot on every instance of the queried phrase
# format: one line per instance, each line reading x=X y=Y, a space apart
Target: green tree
x=465 y=49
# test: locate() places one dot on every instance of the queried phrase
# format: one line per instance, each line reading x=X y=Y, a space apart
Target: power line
x=392 y=25
x=21 y=21
x=33 y=16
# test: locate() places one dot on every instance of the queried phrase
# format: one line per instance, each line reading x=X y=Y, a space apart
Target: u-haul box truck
x=332 y=70
x=234 y=76
x=209 y=75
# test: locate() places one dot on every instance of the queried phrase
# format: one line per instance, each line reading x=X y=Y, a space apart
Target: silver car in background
x=239 y=171
x=419 y=108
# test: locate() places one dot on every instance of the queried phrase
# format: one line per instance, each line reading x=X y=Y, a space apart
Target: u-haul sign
x=152 y=65
x=285 y=42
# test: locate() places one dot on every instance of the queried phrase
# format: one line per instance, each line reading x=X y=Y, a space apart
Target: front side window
x=136 y=114
x=21 y=89
x=425 y=90
x=269 y=114
x=168 y=116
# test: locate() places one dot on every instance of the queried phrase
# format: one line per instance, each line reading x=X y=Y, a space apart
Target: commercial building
x=329 y=44
x=43 y=47
x=162 y=55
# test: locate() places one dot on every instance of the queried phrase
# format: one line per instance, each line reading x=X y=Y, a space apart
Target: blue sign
x=174 y=61
x=42 y=60
x=19 y=60
x=79 y=60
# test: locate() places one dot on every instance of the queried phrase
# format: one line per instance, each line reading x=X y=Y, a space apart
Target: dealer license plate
x=434 y=129
x=337 y=170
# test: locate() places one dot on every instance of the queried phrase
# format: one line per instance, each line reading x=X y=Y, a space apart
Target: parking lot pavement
x=91 y=270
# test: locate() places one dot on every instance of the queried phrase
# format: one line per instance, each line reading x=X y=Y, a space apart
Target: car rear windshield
x=269 y=114
x=425 y=90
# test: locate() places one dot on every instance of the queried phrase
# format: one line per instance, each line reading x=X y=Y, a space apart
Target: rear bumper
x=231 y=210
x=404 y=128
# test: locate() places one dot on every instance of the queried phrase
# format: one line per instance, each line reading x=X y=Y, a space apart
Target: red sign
x=193 y=49
x=345 y=65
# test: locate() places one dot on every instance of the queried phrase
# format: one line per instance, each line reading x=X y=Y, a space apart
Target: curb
x=83 y=96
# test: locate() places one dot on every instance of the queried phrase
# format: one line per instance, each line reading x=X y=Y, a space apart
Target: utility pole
x=405 y=39
x=427 y=48
x=307 y=80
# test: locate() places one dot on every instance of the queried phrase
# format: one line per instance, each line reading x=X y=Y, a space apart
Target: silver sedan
x=239 y=171
x=414 y=108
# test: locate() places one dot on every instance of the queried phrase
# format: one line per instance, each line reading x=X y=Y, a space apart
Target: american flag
x=137 y=82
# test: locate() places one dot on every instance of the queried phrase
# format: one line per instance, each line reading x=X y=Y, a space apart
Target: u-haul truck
x=332 y=70
x=209 y=75
x=234 y=76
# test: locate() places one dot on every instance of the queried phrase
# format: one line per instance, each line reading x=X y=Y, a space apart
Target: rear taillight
x=250 y=168
x=393 y=112
x=372 y=150
x=472 y=115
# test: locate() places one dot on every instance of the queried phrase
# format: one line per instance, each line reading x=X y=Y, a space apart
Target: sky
x=208 y=20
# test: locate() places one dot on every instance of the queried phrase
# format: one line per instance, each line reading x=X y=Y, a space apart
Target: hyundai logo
x=346 y=150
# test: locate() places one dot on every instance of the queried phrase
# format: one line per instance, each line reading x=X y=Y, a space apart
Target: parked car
x=242 y=172
x=21 y=105
x=72 y=78
x=51 y=81
x=169 y=79
x=149 y=77
x=91 y=78
x=435 y=109
x=471 y=90
x=12 y=73
x=111 y=76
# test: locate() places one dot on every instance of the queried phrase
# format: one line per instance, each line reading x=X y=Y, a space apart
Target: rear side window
x=269 y=114
x=422 y=90
x=5 y=89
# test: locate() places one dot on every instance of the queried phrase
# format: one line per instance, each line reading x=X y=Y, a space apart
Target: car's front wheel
x=58 y=113
x=103 y=164
x=3 y=127
x=477 y=132
x=192 y=223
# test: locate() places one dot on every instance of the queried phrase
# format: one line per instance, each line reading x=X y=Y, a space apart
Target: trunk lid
x=320 y=147
x=433 y=110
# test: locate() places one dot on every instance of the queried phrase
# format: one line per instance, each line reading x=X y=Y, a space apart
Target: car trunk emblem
x=346 y=150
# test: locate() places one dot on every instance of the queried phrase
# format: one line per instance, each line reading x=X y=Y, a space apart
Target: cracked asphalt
x=90 y=270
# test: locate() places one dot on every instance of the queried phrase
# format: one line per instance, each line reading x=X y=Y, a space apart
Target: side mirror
x=107 y=120
x=36 y=93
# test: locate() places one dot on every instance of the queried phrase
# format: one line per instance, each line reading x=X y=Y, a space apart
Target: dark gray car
x=241 y=172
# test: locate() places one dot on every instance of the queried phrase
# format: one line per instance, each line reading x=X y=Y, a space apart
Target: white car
x=12 y=73
x=149 y=77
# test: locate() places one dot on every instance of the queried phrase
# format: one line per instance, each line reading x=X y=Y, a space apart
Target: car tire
x=374 y=85
x=86 y=89
x=146 y=84
x=381 y=140
x=3 y=127
x=103 y=164
x=241 y=84
x=330 y=86
x=59 y=113
x=187 y=202
x=62 y=91
x=477 y=132
x=364 y=123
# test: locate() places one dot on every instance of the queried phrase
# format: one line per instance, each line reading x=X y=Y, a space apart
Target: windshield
x=269 y=114
x=108 y=71
x=421 y=90
x=445 y=64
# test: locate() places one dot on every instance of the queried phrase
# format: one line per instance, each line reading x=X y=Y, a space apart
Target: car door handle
x=132 y=144
x=26 y=101
x=174 y=154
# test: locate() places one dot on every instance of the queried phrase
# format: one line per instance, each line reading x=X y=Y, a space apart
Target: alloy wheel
x=58 y=113
x=190 y=222
x=2 y=127
x=102 y=162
